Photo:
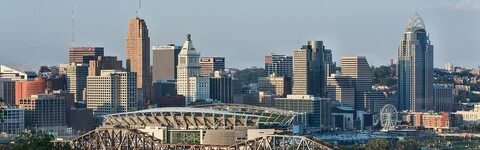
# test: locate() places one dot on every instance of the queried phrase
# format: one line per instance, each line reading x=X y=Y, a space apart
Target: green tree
x=378 y=144
x=2 y=109
x=383 y=76
x=407 y=145
x=37 y=141
x=249 y=75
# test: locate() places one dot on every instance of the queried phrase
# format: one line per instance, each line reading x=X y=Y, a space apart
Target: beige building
x=76 y=79
x=301 y=61
x=112 y=92
x=274 y=85
x=210 y=64
x=341 y=89
x=358 y=69
x=165 y=60
x=470 y=117
x=138 y=55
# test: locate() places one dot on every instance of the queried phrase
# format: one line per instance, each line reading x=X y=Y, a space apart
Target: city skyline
x=276 y=34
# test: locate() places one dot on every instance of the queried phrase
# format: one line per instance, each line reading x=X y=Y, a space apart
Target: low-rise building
x=470 y=117
x=13 y=121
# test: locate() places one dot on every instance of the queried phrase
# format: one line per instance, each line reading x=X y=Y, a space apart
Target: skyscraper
x=415 y=68
x=210 y=64
x=308 y=71
x=112 y=91
x=138 y=55
x=359 y=71
x=221 y=87
x=330 y=66
x=189 y=82
x=301 y=61
x=76 y=79
x=280 y=65
x=165 y=60
x=317 y=69
x=84 y=54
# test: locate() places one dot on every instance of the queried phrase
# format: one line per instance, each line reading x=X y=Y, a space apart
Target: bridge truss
x=127 y=139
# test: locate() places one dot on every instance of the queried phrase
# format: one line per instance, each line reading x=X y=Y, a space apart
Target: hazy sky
x=38 y=32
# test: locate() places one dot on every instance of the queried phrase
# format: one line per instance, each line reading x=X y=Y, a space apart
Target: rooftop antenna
x=139 y=8
x=73 y=22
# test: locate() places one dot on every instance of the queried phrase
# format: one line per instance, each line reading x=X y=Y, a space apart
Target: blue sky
x=37 y=33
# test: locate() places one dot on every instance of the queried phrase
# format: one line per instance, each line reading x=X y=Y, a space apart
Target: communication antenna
x=139 y=8
x=73 y=22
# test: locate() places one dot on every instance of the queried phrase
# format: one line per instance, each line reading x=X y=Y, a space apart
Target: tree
x=377 y=144
x=38 y=141
x=383 y=76
x=249 y=75
x=407 y=145
x=2 y=109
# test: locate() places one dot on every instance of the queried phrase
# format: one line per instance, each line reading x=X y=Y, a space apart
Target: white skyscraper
x=112 y=92
x=189 y=82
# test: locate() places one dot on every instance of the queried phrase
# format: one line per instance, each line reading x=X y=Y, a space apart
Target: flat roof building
x=112 y=92
x=84 y=54
x=208 y=65
x=165 y=60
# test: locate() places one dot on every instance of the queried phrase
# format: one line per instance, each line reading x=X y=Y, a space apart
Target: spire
x=415 y=23
x=188 y=46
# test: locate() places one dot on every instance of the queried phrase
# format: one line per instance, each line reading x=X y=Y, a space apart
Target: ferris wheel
x=388 y=117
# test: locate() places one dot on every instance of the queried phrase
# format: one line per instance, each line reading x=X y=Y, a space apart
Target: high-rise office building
x=280 y=65
x=358 y=69
x=44 y=112
x=308 y=70
x=330 y=66
x=301 y=63
x=103 y=63
x=280 y=86
x=221 y=87
x=189 y=82
x=112 y=92
x=25 y=89
x=210 y=64
x=317 y=69
x=415 y=68
x=76 y=78
x=7 y=91
x=165 y=60
x=138 y=56
x=84 y=54
x=443 y=98
x=341 y=90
